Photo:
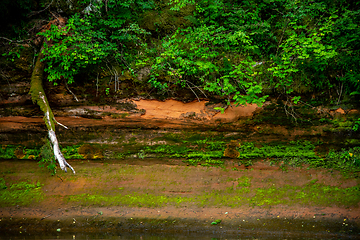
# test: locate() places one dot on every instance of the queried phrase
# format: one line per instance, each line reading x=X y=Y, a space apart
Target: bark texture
x=38 y=96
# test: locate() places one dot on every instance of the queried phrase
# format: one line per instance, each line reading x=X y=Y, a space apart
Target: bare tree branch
x=70 y=91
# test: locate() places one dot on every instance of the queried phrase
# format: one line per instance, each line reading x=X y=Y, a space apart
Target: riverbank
x=170 y=167
x=171 y=197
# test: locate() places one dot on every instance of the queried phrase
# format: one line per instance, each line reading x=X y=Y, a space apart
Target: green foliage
x=356 y=125
x=300 y=149
x=178 y=4
x=298 y=153
x=345 y=36
x=73 y=48
x=48 y=158
x=88 y=39
x=216 y=222
x=299 y=45
x=2 y=184
x=222 y=110
x=13 y=54
x=141 y=154
x=206 y=151
x=196 y=56
x=209 y=150
x=241 y=50
x=346 y=160
x=43 y=153
x=169 y=150
x=71 y=152
x=7 y=152
x=296 y=99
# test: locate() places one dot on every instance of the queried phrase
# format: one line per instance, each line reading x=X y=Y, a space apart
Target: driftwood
x=38 y=96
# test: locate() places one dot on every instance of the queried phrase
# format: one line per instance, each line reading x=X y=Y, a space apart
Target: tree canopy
x=241 y=50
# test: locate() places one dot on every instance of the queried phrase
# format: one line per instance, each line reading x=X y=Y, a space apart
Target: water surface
x=150 y=236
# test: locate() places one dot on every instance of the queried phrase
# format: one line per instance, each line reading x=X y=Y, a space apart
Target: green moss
x=37 y=92
x=346 y=124
x=14 y=151
x=19 y=152
x=169 y=150
x=115 y=115
x=87 y=151
x=310 y=194
x=131 y=200
x=197 y=147
x=244 y=181
x=171 y=138
x=194 y=155
x=7 y=151
x=2 y=184
x=21 y=193
x=280 y=151
x=209 y=149
x=346 y=160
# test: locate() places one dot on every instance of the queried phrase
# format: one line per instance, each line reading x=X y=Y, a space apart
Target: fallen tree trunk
x=38 y=96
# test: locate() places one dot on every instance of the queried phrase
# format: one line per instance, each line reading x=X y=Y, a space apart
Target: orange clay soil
x=144 y=113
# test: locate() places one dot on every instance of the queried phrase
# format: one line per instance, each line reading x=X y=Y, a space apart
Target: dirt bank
x=136 y=113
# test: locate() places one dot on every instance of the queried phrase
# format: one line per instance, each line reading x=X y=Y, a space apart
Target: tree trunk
x=38 y=96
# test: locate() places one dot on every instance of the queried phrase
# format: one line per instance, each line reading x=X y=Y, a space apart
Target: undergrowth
x=22 y=152
x=203 y=152
x=44 y=154
x=47 y=158
x=346 y=160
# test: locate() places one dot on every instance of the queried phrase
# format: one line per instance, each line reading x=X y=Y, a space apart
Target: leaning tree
x=95 y=33
x=39 y=97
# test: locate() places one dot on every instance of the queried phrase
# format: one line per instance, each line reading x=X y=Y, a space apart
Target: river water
x=149 y=236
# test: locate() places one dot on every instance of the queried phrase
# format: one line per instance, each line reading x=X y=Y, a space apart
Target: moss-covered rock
x=231 y=150
x=88 y=151
x=19 y=153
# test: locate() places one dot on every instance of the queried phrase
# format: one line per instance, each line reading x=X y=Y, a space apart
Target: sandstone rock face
x=194 y=111
x=137 y=113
